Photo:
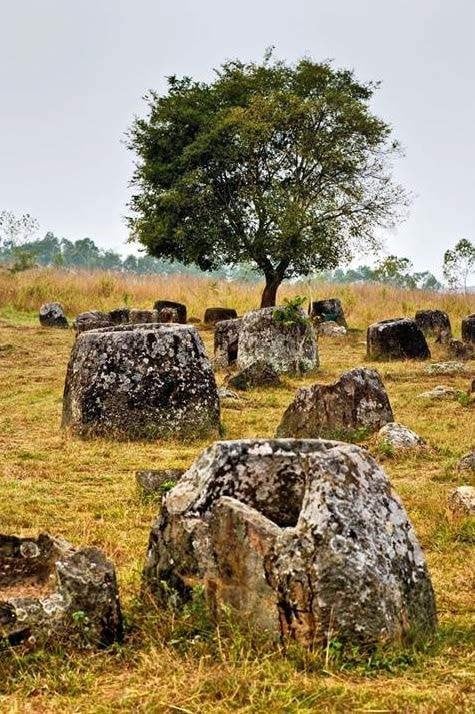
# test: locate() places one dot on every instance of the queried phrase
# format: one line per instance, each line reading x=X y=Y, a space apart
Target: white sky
x=72 y=75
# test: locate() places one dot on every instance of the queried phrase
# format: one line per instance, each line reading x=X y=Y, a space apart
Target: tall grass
x=79 y=291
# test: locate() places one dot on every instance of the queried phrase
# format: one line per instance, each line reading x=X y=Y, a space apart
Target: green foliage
x=22 y=260
x=385 y=448
x=290 y=313
x=283 y=166
x=459 y=264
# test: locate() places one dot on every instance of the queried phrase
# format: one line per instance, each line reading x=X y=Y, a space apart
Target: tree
x=396 y=271
x=16 y=230
x=280 y=165
x=459 y=264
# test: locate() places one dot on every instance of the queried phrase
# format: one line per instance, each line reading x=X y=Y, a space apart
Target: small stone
x=178 y=306
x=289 y=348
x=399 y=338
x=440 y=392
x=467 y=462
x=462 y=501
x=399 y=436
x=52 y=315
x=258 y=374
x=225 y=393
x=331 y=329
x=329 y=310
x=358 y=400
x=156 y=481
x=217 y=314
x=446 y=368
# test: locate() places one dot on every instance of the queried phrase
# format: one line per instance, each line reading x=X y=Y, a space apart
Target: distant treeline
x=86 y=255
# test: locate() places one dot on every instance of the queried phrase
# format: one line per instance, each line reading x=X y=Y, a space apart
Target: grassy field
x=85 y=491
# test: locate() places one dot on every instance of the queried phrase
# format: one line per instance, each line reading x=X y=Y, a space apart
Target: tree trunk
x=269 y=293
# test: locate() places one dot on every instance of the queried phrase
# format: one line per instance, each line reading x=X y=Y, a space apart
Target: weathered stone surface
x=178 y=306
x=302 y=539
x=218 y=314
x=288 y=348
x=52 y=315
x=399 y=436
x=140 y=382
x=434 y=323
x=468 y=329
x=462 y=501
x=226 y=342
x=152 y=481
x=50 y=590
x=331 y=329
x=119 y=316
x=141 y=317
x=91 y=320
x=461 y=350
x=330 y=309
x=446 y=368
x=258 y=374
x=396 y=339
x=225 y=393
x=358 y=400
x=168 y=314
x=440 y=392
x=467 y=462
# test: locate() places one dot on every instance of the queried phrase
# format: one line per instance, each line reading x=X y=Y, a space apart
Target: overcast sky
x=72 y=76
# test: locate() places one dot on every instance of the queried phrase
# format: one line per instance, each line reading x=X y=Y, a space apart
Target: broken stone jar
x=300 y=539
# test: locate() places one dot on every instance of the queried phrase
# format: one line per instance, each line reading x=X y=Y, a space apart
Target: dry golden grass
x=85 y=491
x=80 y=291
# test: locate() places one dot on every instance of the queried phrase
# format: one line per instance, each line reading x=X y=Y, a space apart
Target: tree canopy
x=284 y=166
x=459 y=264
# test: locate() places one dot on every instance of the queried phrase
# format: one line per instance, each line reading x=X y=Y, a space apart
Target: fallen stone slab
x=50 y=590
x=299 y=539
x=140 y=382
x=357 y=401
x=440 y=392
x=52 y=315
x=398 y=338
x=446 y=368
